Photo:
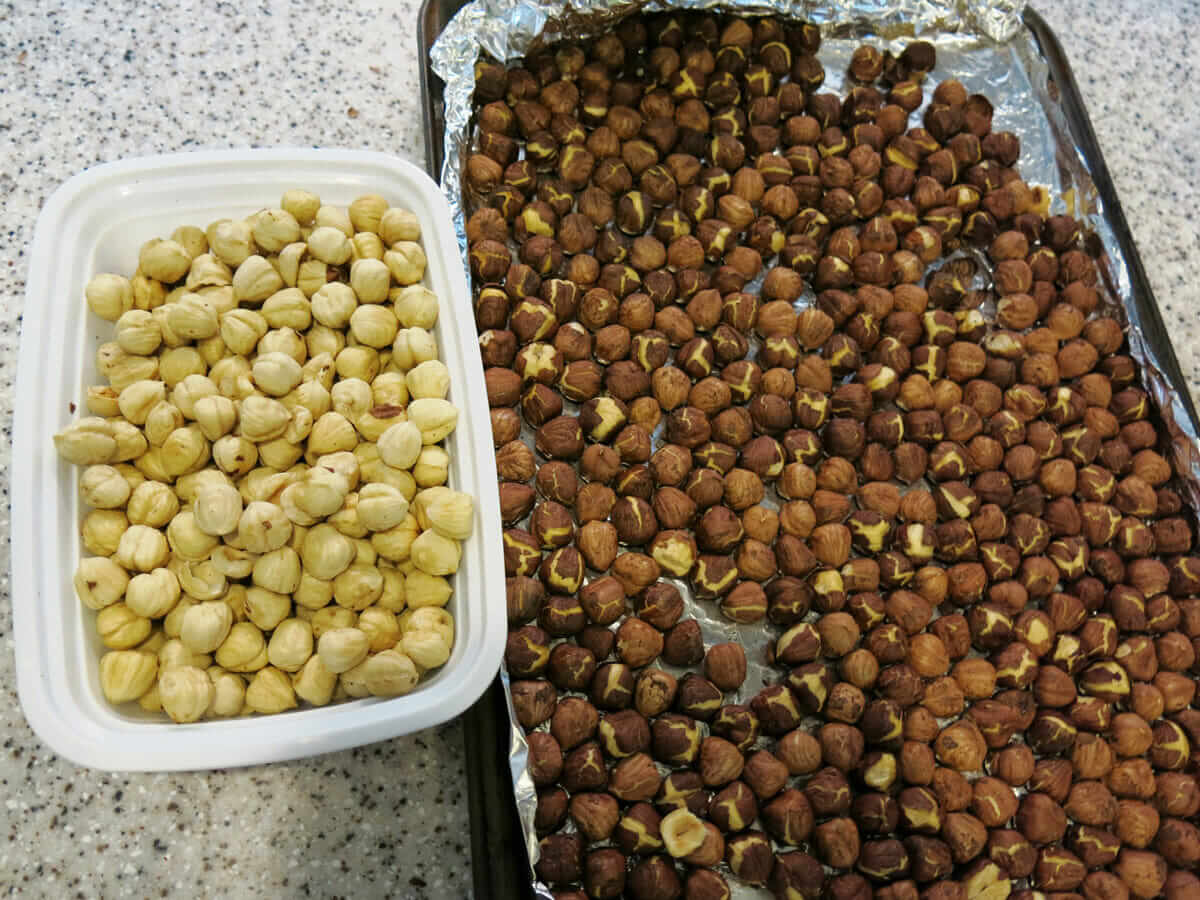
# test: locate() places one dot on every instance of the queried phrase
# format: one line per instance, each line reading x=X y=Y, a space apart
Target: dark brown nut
x=1143 y=872
x=527 y=651
x=574 y=722
x=612 y=686
x=778 y=709
x=560 y=858
x=838 y=842
x=720 y=762
x=749 y=856
x=545 y=758
x=637 y=831
x=1041 y=819
x=697 y=697
x=716 y=576
x=676 y=740
x=534 y=702
x=634 y=779
x=595 y=815
x=551 y=810
x=624 y=733
x=571 y=667
x=654 y=878
x=961 y=746
x=638 y=642
x=725 y=666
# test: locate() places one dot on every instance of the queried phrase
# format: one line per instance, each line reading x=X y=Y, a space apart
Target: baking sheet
x=994 y=48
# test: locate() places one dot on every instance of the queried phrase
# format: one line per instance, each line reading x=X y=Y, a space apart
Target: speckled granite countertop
x=87 y=83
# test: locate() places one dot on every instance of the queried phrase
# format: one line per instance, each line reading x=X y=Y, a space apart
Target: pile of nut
x=269 y=518
x=759 y=349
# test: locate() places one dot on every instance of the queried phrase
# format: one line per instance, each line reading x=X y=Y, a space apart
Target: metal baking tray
x=500 y=864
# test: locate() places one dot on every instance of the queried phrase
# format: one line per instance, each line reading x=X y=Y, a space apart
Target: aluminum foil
x=983 y=43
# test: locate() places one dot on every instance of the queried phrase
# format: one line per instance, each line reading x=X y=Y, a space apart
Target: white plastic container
x=95 y=223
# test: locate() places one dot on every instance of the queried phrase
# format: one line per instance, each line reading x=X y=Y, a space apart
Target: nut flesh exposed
x=266 y=468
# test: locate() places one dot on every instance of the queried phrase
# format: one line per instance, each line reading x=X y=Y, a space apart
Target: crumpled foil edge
x=983 y=42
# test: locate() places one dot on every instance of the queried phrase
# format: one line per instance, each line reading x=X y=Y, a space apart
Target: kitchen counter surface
x=87 y=83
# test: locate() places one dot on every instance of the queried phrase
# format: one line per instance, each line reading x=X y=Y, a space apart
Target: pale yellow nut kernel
x=205 y=626
x=270 y=691
x=242 y=329
x=192 y=318
x=400 y=445
x=161 y=423
x=381 y=506
x=262 y=527
x=207 y=271
x=332 y=617
x=186 y=539
x=302 y=205
x=277 y=570
x=412 y=347
x=682 y=832
x=127 y=674
x=422 y=589
x=136 y=400
x=102 y=401
x=229 y=694
x=432 y=467
x=321 y=492
x=173 y=653
x=334 y=217
x=215 y=416
x=234 y=455
x=428 y=649
x=284 y=340
x=172 y=622
x=398 y=224
x=314 y=683
x=326 y=552
x=415 y=305
x=128 y=369
x=137 y=332
x=434 y=554
x=191 y=238
x=406 y=261
x=99 y=582
x=274 y=229
x=357 y=362
x=244 y=648
x=185 y=450
x=263 y=418
x=380 y=626
x=190 y=391
x=346 y=521
x=165 y=261
x=275 y=373
x=370 y=280
x=288 y=308
x=120 y=628
x=374 y=325
x=342 y=648
x=366 y=211
x=393 y=596
x=232 y=562
x=430 y=379
x=279 y=453
x=365 y=245
x=329 y=245
x=353 y=682
x=333 y=304
x=396 y=543
x=87 y=442
x=330 y=434
x=435 y=418
x=101 y=531
x=255 y=279
x=142 y=549
x=358 y=586
x=103 y=487
x=217 y=509
x=153 y=594
x=109 y=296
x=430 y=618
x=131 y=443
x=147 y=293
x=451 y=514
x=230 y=241
x=152 y=503
x=177 y=364
x=266 y=608
x=313 y=593
x=291 y=645
x=351 y=397
x=199 y=580
x=390 y=673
